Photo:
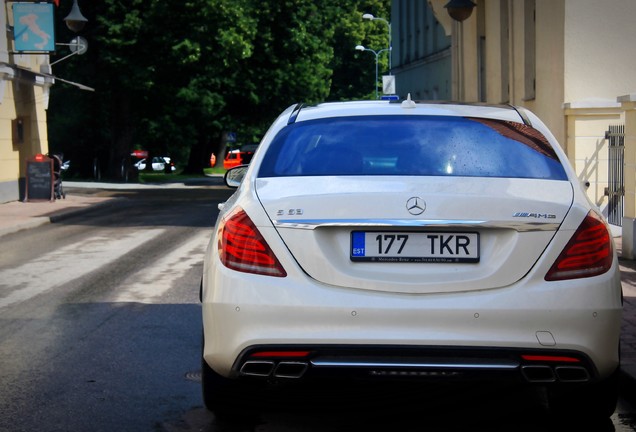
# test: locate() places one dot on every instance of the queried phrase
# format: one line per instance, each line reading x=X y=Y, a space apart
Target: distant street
x=100 y=328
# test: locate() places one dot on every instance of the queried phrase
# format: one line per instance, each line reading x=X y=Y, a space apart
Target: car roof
x=406 y=107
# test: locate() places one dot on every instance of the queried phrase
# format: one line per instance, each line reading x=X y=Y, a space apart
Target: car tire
x=595 y=401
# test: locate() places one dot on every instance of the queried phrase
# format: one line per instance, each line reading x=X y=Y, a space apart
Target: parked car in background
x=382 y=240
x=240 y=156
x=232 y=159
x=158 y=164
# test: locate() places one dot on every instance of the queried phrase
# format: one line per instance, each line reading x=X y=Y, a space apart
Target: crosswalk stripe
x=54 y=268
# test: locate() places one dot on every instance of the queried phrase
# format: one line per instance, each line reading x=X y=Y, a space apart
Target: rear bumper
x=465 y=334
x=426 y=343
x=424 y=363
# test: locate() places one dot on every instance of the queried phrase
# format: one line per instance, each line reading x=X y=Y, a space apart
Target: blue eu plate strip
x=357 y=244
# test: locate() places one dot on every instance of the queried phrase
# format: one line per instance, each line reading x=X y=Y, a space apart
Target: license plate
x=415 y=247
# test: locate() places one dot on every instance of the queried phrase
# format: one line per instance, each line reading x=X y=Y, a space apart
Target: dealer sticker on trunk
x=415 y=247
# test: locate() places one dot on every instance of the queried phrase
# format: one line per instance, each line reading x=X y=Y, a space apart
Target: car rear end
x=411 y=241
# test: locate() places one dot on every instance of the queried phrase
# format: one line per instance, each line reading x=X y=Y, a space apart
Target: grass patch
x=161 y=177
x=216 y=170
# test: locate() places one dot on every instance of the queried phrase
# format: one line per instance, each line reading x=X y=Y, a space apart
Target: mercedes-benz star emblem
x=415 y=206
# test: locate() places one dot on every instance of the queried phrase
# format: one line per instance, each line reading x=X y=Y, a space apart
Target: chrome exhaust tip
x=538 y=373
x=260 y=368
x=290 y=369
x=572 y=374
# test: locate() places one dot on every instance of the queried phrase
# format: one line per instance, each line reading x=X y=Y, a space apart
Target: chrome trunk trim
x=311 y=224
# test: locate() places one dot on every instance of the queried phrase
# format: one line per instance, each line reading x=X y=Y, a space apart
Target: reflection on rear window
x=412 y=146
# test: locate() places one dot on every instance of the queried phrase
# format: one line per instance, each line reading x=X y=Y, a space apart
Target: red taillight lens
x=588 y=253
x=550 y=358
x=243 y=248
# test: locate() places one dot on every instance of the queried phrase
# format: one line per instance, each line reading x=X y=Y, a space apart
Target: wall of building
x=569 y=61
x=9 y=157
x=436 y=85
x=549 y=66
x=421 y=54
x=9 y=154
x=599 y=41
x=598 y=69
x=510 y=51
x=24 y=99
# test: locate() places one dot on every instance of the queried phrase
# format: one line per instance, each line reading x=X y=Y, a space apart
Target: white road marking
x=55 y=268
x=148 y=285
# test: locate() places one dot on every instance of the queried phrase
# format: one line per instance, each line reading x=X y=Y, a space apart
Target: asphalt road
x=100 y=330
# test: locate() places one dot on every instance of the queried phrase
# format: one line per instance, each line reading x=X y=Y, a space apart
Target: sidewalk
x=16 y=216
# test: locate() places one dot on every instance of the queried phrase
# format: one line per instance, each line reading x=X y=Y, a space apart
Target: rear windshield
x=412 y=146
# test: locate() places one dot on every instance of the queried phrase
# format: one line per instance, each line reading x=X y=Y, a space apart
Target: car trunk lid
x=473 y=233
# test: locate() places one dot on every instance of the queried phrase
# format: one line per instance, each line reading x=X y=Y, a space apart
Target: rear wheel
x=593 y=401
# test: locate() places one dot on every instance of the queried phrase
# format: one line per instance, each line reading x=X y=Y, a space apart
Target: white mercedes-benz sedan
x=383 y=239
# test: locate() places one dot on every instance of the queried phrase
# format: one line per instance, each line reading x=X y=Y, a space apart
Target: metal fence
x=615 y=189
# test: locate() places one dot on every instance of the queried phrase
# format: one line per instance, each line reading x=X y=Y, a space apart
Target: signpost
x=40 y=179
x=33 y=27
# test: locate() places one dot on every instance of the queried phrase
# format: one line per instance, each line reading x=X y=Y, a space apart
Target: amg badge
x=534 y=215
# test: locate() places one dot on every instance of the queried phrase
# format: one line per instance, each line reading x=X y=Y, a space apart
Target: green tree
x=174 y=77
x=354 y=71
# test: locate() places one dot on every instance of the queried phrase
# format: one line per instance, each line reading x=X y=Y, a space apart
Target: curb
x=62 y=214
x=28 y=224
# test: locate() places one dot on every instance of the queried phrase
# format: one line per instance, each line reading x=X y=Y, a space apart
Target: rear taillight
x=243 y=248
x=588 y=253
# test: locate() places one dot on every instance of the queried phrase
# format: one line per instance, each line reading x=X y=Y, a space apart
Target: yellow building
x=570 y=62
x=24 y=93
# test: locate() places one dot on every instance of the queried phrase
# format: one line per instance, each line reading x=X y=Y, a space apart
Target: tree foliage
x=174 y=77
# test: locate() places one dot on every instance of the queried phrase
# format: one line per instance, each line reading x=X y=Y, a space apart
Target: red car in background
x=240 y=156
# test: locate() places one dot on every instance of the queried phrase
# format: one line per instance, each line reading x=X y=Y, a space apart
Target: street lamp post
x=390 y=46
x=376 y=53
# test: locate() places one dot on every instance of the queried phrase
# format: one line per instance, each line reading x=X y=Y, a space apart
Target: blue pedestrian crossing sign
x=33 y=29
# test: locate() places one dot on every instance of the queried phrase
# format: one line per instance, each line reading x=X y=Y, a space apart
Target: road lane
x=100 y=321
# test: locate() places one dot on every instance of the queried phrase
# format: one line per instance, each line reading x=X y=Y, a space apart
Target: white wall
x=600 y=38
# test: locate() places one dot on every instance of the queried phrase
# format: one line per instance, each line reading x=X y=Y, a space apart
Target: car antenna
x=408 y=103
